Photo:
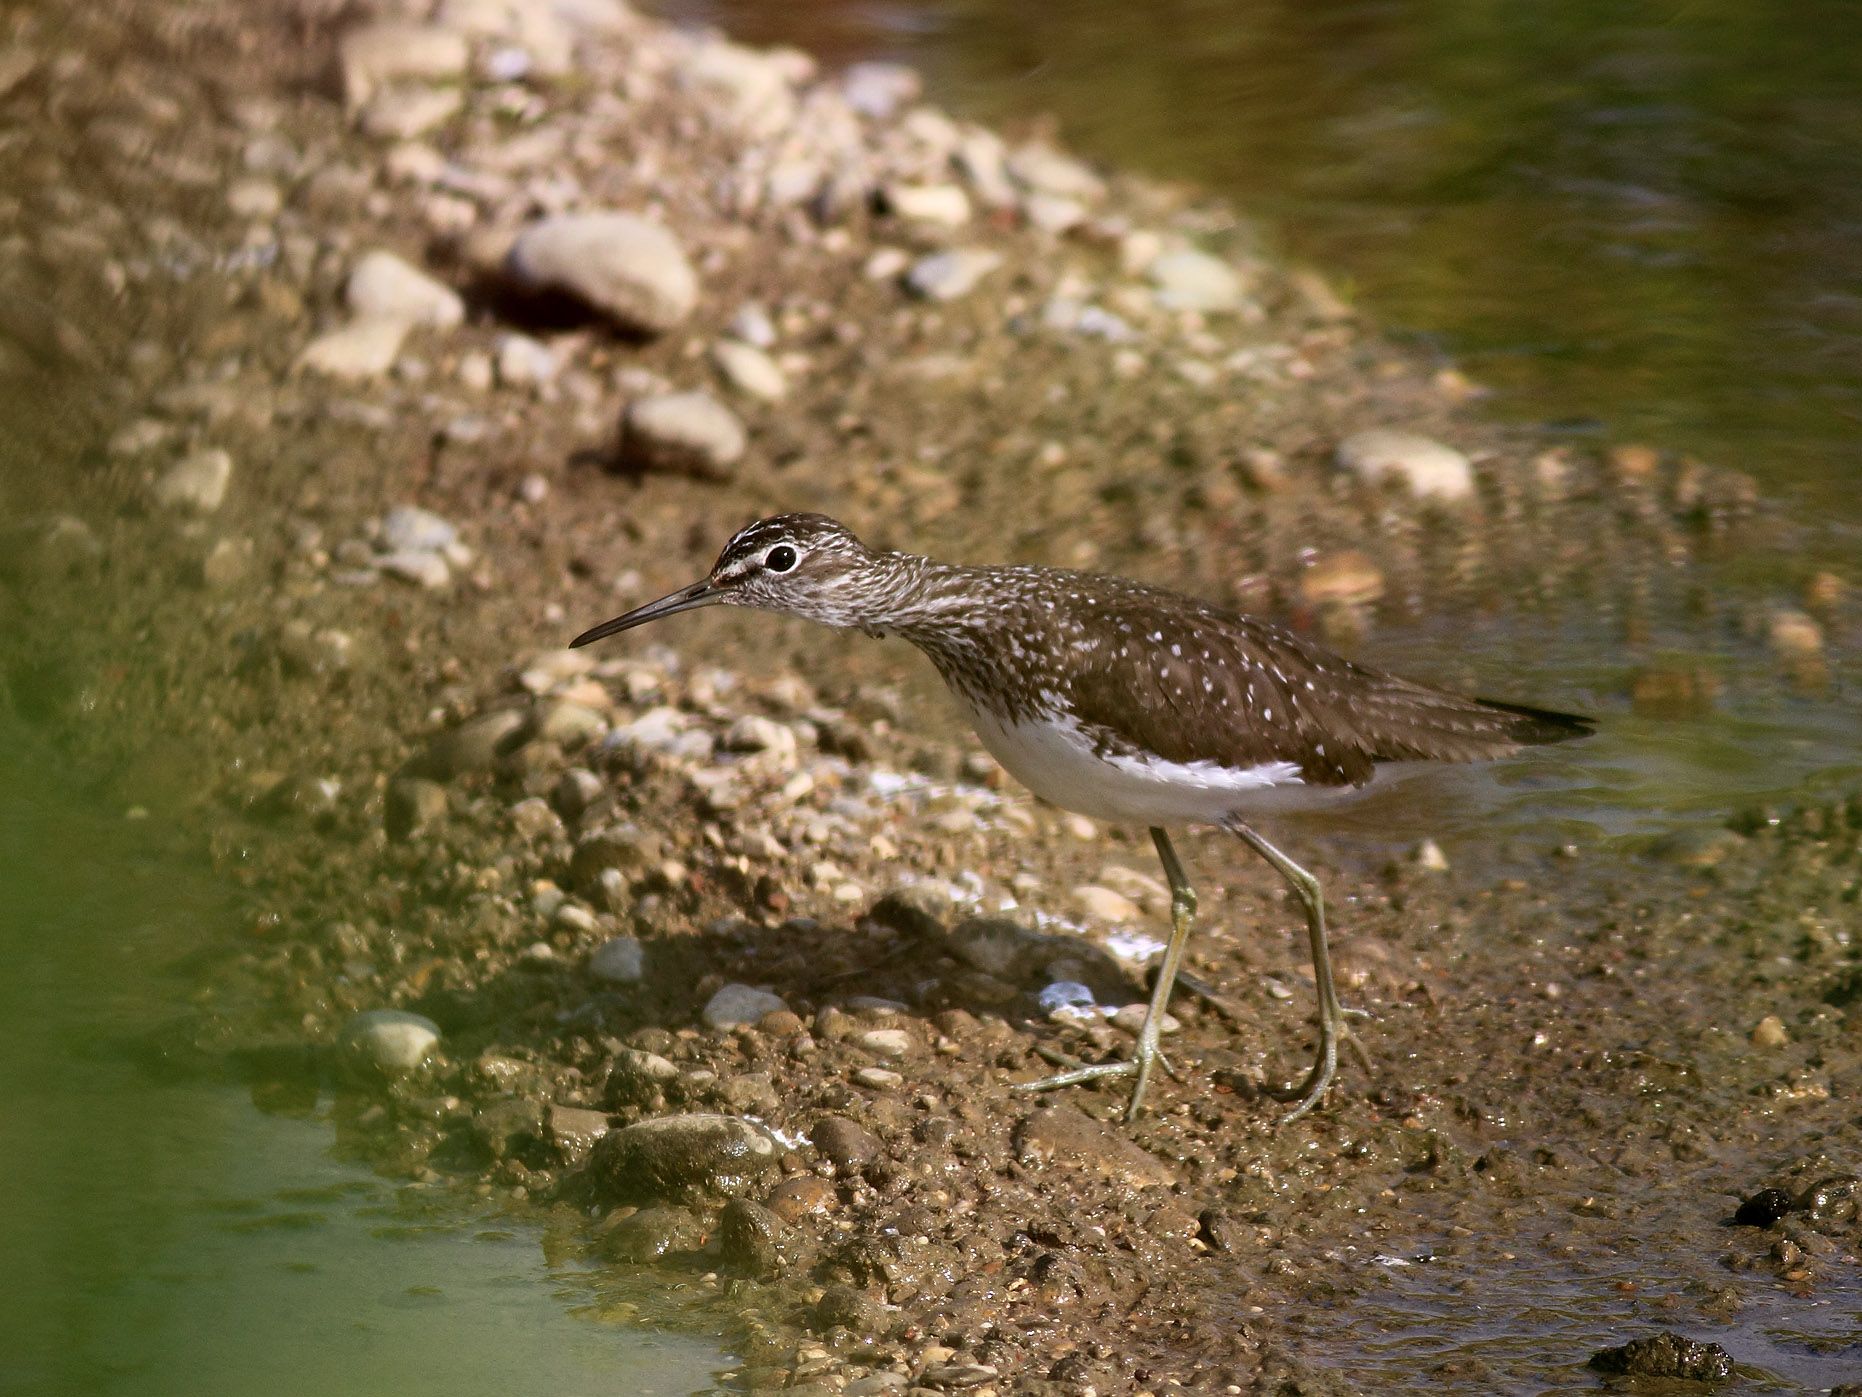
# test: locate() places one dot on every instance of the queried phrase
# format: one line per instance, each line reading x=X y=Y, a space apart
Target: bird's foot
x=1309 y=1093
x=1138 y=1065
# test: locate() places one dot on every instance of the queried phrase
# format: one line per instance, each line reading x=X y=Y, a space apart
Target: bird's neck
x=915 y=598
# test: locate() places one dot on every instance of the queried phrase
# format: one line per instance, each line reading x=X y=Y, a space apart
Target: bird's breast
x=1053 y=756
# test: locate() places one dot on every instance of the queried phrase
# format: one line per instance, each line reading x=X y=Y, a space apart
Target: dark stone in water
x=1764 y=1208
x=1666 y=1355
x=652 y=1234
x=681 y=1157
x=750 y=1239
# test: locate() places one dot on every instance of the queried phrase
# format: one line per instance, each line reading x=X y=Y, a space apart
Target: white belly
x=1055 y=760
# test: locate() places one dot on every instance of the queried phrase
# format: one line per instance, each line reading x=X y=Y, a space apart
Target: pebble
x=752 y=325
x=427 y=570
x=1054 y=213
x=652 y=1234
x=1429 y=469
x=361 y=350
x=569 y=725
x=739 y=1006
x=532 y=818
x=1130 y=1019
x=1045 y=170
x=228 y=563
x=944 y=205
x=621 y=960
x=1190 y=279
x=383 y=286
x=1344 y=577
x=388 y=1042
x=409 y=529
x=1104 y=905
x=402 y=113
x=1429 y=858
x=683 y=433
x=632 y=270
x=878 y=90
x=885 y=1042
x=256 y=199
x=945 y=276
x=523 y=361
x=1770 y=1032
x=674 y=1157
x=750 y=371
x=753 y=733
x=412 y=805
x=474 y=746
x=750 y=1239
x=576 y=790
x=197 y=482
x=878 y=1079
x=1067 y=1135
x=575 y=1129
x=846 y=1144
x=1793 y=634
x=801 y=1197
x=377 y=53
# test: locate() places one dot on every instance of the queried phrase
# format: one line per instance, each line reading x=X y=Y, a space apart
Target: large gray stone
x=631 y=270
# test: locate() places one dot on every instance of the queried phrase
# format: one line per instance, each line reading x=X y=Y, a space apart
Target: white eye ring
x=781 y=558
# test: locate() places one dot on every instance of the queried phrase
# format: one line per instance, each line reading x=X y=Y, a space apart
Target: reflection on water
x=1501 y=1315
x=163 y=1236
x=1637 y=217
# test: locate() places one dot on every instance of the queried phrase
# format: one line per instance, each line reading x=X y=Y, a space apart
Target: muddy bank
x=390 y=352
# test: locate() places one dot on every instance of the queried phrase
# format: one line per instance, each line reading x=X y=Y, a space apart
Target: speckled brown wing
x=1191 y=682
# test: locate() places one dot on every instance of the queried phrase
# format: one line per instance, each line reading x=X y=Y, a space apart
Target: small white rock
x=391 y=1041
x=1189 y=279
x=944 y=276
x=1430 y=469
x=688 y=433
x=944 y=205
x=753 y=326
x=630 y=269
x=885 y=1042
x=1103 y=905
x=750 y=371
x=197 y=482
x=402 y=113
x=383 y=286
x=361 y=350
x=1130 y=1018
x=523 y=361
x=878 y=90
x=427 y=570
x=376 y=53
x=408 y=528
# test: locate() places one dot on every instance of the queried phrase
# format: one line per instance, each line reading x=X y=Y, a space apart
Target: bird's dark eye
x=780 y=558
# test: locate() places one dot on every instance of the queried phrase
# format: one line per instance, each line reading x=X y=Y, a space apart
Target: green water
x=1635 y=222
x=162 y=1234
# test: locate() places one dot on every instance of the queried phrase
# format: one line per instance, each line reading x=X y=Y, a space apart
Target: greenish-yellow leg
x=1182 y=914
x=1332 y=1026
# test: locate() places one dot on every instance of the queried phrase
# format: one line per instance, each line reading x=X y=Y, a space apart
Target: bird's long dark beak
x=685 y=599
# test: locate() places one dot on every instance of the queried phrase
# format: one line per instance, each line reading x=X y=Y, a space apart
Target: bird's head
x=805 y=565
